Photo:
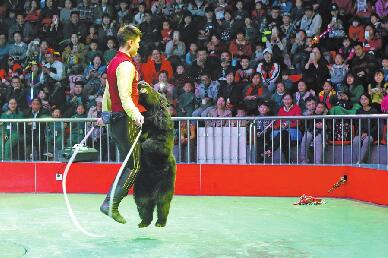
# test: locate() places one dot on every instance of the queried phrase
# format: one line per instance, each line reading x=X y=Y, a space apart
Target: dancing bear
x=155 y=182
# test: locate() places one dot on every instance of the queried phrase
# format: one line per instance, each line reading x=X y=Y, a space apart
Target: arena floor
x=39 y=226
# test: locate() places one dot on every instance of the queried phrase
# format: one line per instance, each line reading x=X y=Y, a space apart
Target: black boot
x=125 y=182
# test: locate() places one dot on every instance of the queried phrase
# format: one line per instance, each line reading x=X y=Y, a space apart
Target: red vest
x=112 y=80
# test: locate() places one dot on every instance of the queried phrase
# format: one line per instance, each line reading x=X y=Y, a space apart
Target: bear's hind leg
x=145 y=207
x=163 y=208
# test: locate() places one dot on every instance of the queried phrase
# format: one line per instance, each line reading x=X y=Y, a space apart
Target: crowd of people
x=210 y=58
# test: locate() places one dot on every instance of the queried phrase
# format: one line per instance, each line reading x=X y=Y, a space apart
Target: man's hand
x=139 y=119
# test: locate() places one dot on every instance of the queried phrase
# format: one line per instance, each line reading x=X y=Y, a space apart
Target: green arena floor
x=39 y=226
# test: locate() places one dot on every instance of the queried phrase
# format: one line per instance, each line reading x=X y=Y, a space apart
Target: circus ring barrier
x=237 y=174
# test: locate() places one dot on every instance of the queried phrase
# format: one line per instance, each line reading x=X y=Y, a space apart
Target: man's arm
x=125 y=75
x=106 y=103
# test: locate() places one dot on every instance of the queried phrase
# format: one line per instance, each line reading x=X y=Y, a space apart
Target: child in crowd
x=93 y=51
x=186 y=101
x=111 y=51
x=376 y=90
x=338 y=72
x=180 y=78
x=263 y=129
x=191 y=55
x=166 y=33
x=327 y=95
x=245 y=73
x=347 y=51
x=385 y=68
x=277 y=97
x=286 y=80
x=54 y=135
x=78 y=128
x=302 y=94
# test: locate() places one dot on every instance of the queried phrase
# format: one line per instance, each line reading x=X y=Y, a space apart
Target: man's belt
x=109 y=117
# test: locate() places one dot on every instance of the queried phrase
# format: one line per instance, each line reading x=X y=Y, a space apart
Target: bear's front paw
x=160 y=224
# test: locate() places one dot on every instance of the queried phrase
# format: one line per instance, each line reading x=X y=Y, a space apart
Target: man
x=363 y=65
x=121 y=98
x=25 y=29
x=74 y=26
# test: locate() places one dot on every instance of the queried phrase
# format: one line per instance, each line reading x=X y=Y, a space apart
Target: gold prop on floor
x=342 y=181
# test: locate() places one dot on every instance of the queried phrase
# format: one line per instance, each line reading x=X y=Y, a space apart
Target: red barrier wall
x=229 y=180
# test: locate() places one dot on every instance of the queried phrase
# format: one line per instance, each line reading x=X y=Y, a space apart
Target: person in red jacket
x=121 y=98
x=287 y=130
x=156 y=63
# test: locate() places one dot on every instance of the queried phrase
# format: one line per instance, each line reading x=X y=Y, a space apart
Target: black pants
x=124 y=132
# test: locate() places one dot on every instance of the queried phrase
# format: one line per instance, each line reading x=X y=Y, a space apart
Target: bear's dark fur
x=155 y=182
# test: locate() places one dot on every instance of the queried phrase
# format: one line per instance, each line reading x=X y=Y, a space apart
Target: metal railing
x=296 y=140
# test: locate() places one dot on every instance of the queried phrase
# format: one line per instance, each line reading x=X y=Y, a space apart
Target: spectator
x=356 y=30
x=165 y=88
x=316 y=71
x=180 y=78
x=327 y=95
x=186 y=101
x=245 y=73
x=300 y=97
x=347 y=51
x=55 y=134
x=191 y=55
x=156 y=63
x=277 y=97
x=47 y=12
x=376 y=90
x=53 y=31
x=4 y=47
x=287 y=130
x=188 y=135
x=314 y=135
x=206 y=95
x=17 y=92
x=263 y=129
x=385 y=68
x=338 y=72
x=240 y=46
x=24 y=28
x=219 y=111
x=92 y=34
x=74 y=26
x=200 y=66
x=10 y=132
x=342 y=105
x=75 y=99
x=139 y=17
x=363 y=65
x=92 y=75
x=381 y=8
x=92 y=52
x=269 y=71
x=366 y=131
x=188 y=30
x=354 y=87
x=231 y=91
x=311 y=22
x=111 y=50
x=64 y=15
x=253 y=93
x=372 y=43
x=18 y=49
x=35 y=139
x=165 y=33
x=78 y=128
x=107 y=29
x=287 y=81
x=175 y=48
x=123 y=12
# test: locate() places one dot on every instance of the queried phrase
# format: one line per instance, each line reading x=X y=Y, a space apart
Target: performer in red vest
x=121 y=97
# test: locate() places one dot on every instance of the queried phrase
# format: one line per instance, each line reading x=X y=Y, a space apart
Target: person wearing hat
x=287 y=28
x=284 y=5
x=311 y=22
x=269 y=71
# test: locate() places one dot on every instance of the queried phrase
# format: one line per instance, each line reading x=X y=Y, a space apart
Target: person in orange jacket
x=156 y=63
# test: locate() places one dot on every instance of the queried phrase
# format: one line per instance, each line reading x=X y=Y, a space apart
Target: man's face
x=256 y=79
x=275 y=13
x=205 y=80
x=74 y=18
x=358 y=50
x=20 y=19
x=202 y=56
x=15 y=83
x=156 y=56
x=309 y=13
x=225 y=56
x=17 y=37
x=134 y=46
x=35 y=105
x=311 y=105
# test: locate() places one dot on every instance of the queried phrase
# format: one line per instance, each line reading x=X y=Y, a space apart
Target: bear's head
x=156 y=104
